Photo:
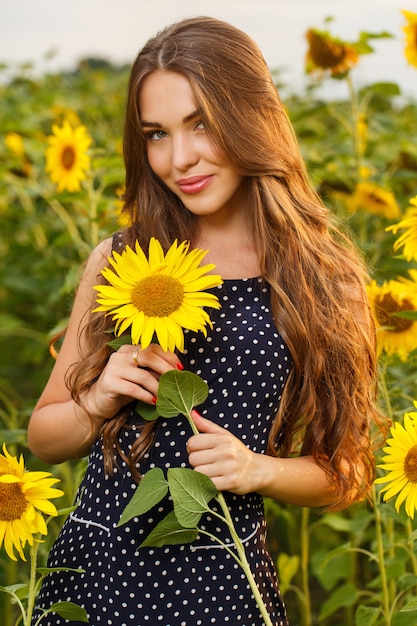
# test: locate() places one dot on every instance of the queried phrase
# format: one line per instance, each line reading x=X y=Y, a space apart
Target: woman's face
x=179 y=150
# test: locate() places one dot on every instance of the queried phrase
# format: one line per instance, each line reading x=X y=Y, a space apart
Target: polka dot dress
x=246 y=364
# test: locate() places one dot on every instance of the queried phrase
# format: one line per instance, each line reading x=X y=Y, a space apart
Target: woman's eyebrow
x=186 y=119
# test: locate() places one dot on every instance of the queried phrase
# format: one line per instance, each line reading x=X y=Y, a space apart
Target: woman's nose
x=184 y=152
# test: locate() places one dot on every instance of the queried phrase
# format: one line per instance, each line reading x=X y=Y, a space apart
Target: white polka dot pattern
x=246 y=364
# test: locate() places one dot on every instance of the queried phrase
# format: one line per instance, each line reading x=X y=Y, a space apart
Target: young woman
x=211 y=158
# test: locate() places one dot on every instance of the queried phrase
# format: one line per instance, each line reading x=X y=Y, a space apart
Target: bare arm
x=60 y=429
x=232 y=466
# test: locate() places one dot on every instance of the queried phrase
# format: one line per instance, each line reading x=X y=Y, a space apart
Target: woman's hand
x=130 y=374
x=221 y=456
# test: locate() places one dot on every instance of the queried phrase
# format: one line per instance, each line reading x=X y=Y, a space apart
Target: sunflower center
x=158 y=295
x=12 y=502
x=376 y=198
x=410 y=465
x=68 y=157
x=325 y=53
x=386 y=308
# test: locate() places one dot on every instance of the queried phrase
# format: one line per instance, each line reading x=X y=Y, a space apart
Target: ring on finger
x=135 y=357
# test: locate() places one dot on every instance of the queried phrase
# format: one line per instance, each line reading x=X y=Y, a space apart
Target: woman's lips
x=194 y=184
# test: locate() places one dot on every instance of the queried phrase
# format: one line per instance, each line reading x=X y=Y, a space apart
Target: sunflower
x=158 y=296
x=369 y=197
x=410 y=30
x=14 y=143
x=401 y=464
x=409 y=238
x=66 y=156
x=395 y=335
x=327 y=53
x=22 y=495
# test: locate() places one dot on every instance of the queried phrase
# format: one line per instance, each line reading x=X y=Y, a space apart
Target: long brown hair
x=314 y=273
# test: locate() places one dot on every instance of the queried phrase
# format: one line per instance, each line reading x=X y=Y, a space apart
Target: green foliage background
x=350 y=568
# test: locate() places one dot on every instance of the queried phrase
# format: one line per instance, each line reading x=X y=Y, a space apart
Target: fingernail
x=154 y=400
x=194 y=412
x=180 y=366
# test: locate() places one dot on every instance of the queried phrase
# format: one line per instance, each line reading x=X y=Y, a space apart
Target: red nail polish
x=180 y=366
x=154 y=400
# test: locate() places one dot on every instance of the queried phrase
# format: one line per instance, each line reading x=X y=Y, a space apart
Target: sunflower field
x=61 y=179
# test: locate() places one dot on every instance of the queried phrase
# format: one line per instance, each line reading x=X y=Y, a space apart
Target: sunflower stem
x=305 y=553
x=381 y=560
x=32 y=582
x=242 y=559
x=412 y=543
x=355 y=120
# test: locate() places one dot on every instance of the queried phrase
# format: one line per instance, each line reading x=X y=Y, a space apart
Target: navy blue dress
x=246 y=363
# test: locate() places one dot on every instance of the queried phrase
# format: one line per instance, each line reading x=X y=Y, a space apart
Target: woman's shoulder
x=97 y=260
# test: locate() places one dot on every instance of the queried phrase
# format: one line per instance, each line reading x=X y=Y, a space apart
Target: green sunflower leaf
x=44 y=571
x=152 y=489
x=169 y=532
x=191 y=493
x=180 y=392
x=69 y=611
x=408 y=315
x=147 y=411
x=118 y=342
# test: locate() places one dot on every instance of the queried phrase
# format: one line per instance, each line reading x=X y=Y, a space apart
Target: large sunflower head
x=410 y=30
x=408 y=240
x=395 y=334
x=24 y=495
x=329 y=54
x=160 y=295
x=66 y=156
x=401 y=464
x=374 y=199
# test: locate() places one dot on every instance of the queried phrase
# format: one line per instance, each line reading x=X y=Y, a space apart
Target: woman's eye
x=156 y=135
x=200 y=125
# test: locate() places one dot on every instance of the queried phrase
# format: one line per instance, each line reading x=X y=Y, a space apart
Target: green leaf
x=11 y=589
x=344 y=596
x=381 y=89
x=287 y=567
x=44 y=571
x=191 y=493
x=169 y=532
x=152 y=489
x=180 y=392
x=410 y=606
x=118 y=342
x=16 y=436
x=366 y=616
x=409 y=315
x=147 y=411
x=67 y=510
x=69 y=611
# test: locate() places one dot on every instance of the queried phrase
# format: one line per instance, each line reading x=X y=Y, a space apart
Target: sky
x=116 y=30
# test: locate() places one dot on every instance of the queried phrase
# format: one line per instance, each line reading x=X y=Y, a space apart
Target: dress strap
x=117 y=241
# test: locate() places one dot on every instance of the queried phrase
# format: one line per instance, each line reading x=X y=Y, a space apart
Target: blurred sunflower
x=22 y=495
x=14 y=143
x=369 y=197
x=66 y=157
x=327 y=53
x=410 y=30
x=20 y=165
x=401 y=464
x=123 y=218
x=159 y=296
x=408 y=239
x=395 y=335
